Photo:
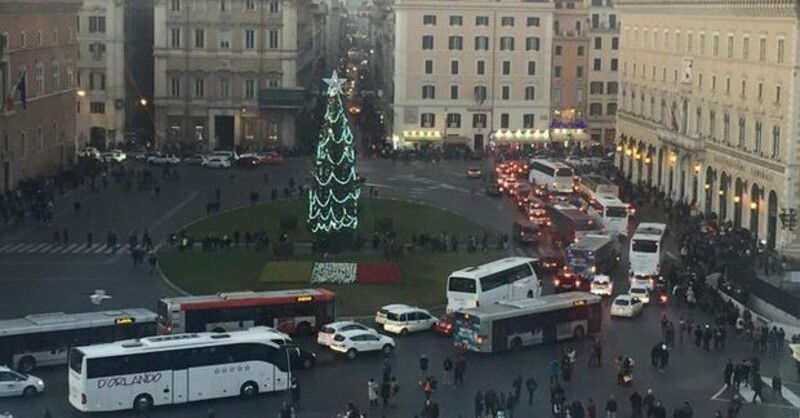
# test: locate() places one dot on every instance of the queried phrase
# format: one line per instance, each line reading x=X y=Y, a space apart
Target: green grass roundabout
x=239 y=268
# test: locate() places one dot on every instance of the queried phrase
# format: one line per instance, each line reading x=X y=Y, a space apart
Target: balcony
x=282 y=98
x=681 y=140
x=605 y=27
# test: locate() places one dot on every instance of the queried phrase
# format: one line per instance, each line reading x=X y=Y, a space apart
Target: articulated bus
x=504 y=279
x=300 y=311
x=647 y=249
x=515 y=324
x=555 y=176
x=173 y=369
x=44 y=339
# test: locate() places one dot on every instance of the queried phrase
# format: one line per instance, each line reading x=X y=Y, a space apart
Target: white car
x=627 y=306
x=90 y=152
x=380 y=316
x=353 y=342
x=640 y=292
x=647 y=281
x=114 y=155
x=409 y=319
x=601 y=285
x=325 y=335
x=163 y=159
x=217 y=162
x=230 y=155
x=16 y=384
x=474 y=173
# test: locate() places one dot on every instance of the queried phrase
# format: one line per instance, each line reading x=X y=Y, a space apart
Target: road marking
x=101 y=248
x=68 y=248
x=5 y=247
x=714 y=398
x=672 y=255
x=747 y=395
x=174 y=210
x=14 y=248
x=36 y=248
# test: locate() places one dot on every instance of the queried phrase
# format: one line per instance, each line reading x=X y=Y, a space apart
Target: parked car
x=89 y=152
x=160 y=159
x=217 y=162
x=474 y=173
x=19 y=384
x=325 y=335
x=354 y=342
x=247 y=162
x=138 y=155
x=195 y=159
x=526 y=233
x=231 y=155
x=627 y=306
x=272 y=158
x=640 y=292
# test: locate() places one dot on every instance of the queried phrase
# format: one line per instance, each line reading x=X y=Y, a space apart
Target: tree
x=334 y=192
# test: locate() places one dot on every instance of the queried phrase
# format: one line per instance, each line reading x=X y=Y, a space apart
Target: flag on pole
x=20 y=88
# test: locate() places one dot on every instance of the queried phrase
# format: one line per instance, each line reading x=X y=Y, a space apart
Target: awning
x=569 y=134
x=520 y=135
x=422 y=135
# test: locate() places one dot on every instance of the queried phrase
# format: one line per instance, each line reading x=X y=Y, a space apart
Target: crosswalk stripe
x=68 y=248
x=47 y=248
x=5 y=247
x=25 y=248
x=14 y=248
x=54 y=249
x=57 y=248
x=36 y=247
x=100 y=248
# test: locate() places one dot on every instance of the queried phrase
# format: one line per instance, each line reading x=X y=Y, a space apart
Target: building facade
x=708 y=104
x=603 y=31
x=226 y=73
x=570 y=64
x=37 y=138
x=471 y=71
x=139 y=88
x=101 y=73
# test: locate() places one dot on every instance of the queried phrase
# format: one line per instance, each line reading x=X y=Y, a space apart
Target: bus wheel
x=303 y=328
x=579 y=332
x=516 y=344
x=26 y=364
x=143 y=403
x=248 y=390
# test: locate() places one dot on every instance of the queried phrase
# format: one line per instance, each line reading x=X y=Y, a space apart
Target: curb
x=166 y=281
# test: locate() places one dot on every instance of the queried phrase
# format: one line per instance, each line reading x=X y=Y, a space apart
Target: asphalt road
x=40 y=279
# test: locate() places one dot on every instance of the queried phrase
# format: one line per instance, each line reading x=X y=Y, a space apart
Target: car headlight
x=40 y=382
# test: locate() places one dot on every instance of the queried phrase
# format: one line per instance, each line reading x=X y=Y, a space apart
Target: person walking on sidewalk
x=372 y=392
x=447 y=365
x=611 y=408
x=531 y=385
x=423 y=366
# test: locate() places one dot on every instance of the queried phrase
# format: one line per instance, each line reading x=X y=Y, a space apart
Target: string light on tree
x=334 y=192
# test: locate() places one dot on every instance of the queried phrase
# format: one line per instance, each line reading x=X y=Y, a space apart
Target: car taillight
x=479 y=340
x=663 y=298
x=577 y=283
x=557 y=282
x=84 y=401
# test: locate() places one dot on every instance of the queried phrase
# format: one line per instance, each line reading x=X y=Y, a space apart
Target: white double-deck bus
x=555 y=176
x=173 y=369
x=647 y=249
x=505 y=279
x=45 y=339
x=610 y=212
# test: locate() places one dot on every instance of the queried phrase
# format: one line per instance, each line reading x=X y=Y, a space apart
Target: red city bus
x=300 y=311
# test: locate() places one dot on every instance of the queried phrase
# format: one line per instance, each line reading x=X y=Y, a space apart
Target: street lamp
x=707 y=186
x=753 y=205
x=697 y=168
x=143 y=101
x=81 y=93
x=737 y=199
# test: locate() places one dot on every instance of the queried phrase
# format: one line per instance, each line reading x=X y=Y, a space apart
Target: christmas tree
x=334 y=192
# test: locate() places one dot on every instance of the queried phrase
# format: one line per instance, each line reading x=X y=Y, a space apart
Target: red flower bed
x=378 y=273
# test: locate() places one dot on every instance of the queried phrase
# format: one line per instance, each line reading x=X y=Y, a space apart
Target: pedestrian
x=423 y=366
x=576 y=410
x=554 y=369
x=531 y=385
x=490 y=401
x=591 y=409
x=511 y=404
x=756 y=385
x=447 y=365
x=372 y=392
x=727 y=374
x=89 y=240
x=611 y=408
x=387 y=370
x=648 y=401
x=479 y=405
x=295 y=392
x=57 y=237
x=65 y=235
x=395 y=388
x=210 y=413
x=427 y=387
x=517 y=385
x=285 y=411
x=734 y=405
x=47 y=413
x=636 y=404
x=777 y=386
x=686 y=410
x=460 y=368
x=386 y=391
x=152 y=261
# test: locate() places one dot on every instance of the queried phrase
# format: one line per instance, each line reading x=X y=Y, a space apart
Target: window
x=744 y=89
x=581 y=51
x=199 y=87
x=176 y=5
x=556 y=95
x=428 y=66
x=506 y=67
x=453 y=92
x=225 y=39
x=481 y=43
x=533 y=21
x=776 y=141
x=730 y=46
x=97 y=107
x=224 y=88
x=742 y=126
x=175 y=86
x=531 y=67
x=427 y=42
x=615 y=43
x=745 y=48
x=249 y=39
x=557 y=71
x=504 y=120
x=781 y=48
x=762 y=49
x=596 y=87
x=455 y=43
x=506 y=43
x=595 y=21
x=273 y=39
x=702 y=43
x=223 y=6
x=175 y=38
x=55 y=76
x=274 y=6
x=249 y=88
x=598 y=64
x=97 y=24
x=715 y=46
x=428 y=92
x=454 y=120
x=250 y=5
x=528 y=121
x=558 y=49
x=456 y=21
x=97 y=81
x=596 y=109
x=615 y=65
x=579 y=95
x=757 y=137
x=712 y=124
x=199 y=38
x=480 y=93
x=507 y=21
x=612 y=87
x=532 y=43
x=454 y=67
x=480 y=67
x=505 y=93
x=760 y=91
x=726 y=128
x=598 y=42
x=777 y=94
x=429 y=20
x=481 y=20
x=579 y=71
x=530 y=93
x=479 y=120
x=427 y=120
x=612 y=21
x=611 y=109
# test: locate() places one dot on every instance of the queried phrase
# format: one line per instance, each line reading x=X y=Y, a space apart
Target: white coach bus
x=647 y=249
x=505 y=279
x=555 y=176
x=173 y=369
x=611 y=212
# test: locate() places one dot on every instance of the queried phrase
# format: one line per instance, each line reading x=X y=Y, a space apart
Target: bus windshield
x=644 y=246
x=461 y=284
x=580 y=257
x=616 y=212
x=76 y=360
x=564 y=172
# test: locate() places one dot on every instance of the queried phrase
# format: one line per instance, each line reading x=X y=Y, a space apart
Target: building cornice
x=732 y=8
